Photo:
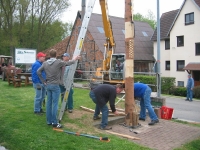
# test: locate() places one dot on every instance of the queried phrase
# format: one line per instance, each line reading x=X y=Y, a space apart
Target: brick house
x=180 y=43
x=93 y=47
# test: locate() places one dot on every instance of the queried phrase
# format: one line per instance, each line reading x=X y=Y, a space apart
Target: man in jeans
x=143 y=92
x=100 y=95
x=40 y=89
x=190 y=86
x=65 y=71
x=53 y=70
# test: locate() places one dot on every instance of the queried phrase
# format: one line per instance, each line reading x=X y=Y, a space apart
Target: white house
x=180 y=43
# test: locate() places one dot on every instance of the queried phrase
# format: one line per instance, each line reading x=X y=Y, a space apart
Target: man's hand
x=76 y=57
x=116 y=112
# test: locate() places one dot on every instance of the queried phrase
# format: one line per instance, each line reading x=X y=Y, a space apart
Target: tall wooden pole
x=130 y=108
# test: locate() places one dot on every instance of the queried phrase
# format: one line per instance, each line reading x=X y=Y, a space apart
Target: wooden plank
x=123 y=135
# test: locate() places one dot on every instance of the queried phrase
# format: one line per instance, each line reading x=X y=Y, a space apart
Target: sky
x=116 y=8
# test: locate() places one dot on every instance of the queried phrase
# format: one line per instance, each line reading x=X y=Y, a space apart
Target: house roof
x=192 y=66
x=166 y=22
x=143 y=46
x=197 y=2
x=59 y=47
x=143 y=49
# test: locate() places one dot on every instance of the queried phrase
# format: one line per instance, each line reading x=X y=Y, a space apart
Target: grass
x=21 y=129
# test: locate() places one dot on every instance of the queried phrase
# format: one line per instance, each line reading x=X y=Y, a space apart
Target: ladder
x=69 y=79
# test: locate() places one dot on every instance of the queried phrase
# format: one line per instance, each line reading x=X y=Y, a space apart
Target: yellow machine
x=112 y=72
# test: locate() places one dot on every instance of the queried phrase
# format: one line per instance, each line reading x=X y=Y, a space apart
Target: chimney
x=83 y=9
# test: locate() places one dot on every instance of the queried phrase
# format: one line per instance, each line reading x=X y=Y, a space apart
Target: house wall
x=186 y=52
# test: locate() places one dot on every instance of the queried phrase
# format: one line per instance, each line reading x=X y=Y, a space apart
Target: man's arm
x=39 y=73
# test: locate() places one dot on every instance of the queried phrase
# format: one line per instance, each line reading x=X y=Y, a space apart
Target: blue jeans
x=145 y=103
x=40 y=93
x=53 y=93
x=70 y=100
x=189 y=94
x=104 y=110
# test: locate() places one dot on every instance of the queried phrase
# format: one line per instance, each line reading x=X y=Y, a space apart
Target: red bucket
x=166 y=112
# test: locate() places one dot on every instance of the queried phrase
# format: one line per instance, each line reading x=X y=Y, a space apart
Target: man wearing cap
x=40 y=90
x=53 y=70
x=64 y=75
x=190 y=86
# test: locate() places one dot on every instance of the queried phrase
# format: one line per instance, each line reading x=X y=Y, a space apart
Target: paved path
x=165 y=135
x=184 y=110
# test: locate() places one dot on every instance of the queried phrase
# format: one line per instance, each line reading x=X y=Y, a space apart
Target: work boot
x=70 y=111
x=153 y=122
x=96 y=118
x=142 y=119
x=105 y=128
x=57 y=125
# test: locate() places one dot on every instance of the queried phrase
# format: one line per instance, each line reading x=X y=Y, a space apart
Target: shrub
x=196 y=92
x=178 y=91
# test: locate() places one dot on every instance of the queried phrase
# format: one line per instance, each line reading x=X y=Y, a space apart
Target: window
x=123 y=31
x=167 y=65
x=100 y=29
x=167 y=44
x=197 y=47
x=180 y=65
x=181 y=83
x=144 y=33
x=180 y=41
x=189 y=18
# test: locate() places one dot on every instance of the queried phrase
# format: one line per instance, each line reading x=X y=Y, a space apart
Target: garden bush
x=196 y=92
x=178 y=91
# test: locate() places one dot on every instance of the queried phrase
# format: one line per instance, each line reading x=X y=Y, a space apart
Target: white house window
x=167 y=44
x=197 y=51
x=181 y=83
x=100 y=29
x=180 y=41
x=180 y=65
x=167 y=65
x=144 y=33
x=189 y=18
x=123 y=31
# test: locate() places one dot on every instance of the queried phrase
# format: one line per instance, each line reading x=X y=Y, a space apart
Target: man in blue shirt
x=143 y=92
x=40 y=90
x=190 y=86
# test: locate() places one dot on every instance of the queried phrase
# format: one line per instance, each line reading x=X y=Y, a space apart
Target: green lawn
x=21 y=129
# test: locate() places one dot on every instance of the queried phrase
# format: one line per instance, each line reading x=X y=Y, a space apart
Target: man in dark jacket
x=40 y=90
x=100 y=95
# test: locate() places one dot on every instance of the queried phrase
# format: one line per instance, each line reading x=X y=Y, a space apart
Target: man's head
x=189 y=75
x=41 y=56
x=117 y=62
x=65 y=57
x=52 y=53
x=119 y=88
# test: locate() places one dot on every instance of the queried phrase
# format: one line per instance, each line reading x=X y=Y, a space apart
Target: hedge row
x=167 y=85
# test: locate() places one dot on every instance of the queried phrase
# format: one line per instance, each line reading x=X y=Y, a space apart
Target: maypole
x=130 y=108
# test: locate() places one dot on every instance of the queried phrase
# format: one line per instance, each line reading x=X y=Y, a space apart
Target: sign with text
x=25 y=56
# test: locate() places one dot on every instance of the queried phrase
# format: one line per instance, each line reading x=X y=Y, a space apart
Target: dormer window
x=189 y=18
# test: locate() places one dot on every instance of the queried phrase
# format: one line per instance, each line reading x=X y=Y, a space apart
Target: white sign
x=25 y=56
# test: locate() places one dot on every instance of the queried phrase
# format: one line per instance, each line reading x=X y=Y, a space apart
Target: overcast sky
x=116 y=7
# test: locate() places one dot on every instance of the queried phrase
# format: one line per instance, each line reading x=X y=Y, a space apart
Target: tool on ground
x=69 y=79
x=123 y=135
x=105 y=139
